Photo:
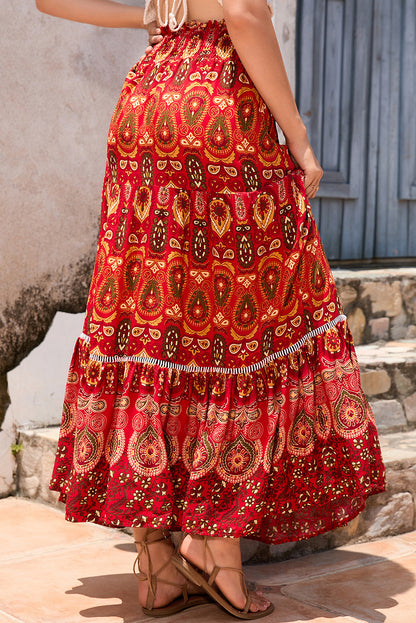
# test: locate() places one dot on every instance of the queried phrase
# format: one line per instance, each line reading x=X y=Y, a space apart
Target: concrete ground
x=53 y=571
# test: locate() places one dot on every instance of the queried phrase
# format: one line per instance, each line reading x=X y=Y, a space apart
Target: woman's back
x=174 y=13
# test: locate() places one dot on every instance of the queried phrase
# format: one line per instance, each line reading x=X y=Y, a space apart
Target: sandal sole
x=177 y=606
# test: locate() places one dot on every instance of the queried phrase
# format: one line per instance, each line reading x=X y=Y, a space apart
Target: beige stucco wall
x=60 y=83
x=285 y=24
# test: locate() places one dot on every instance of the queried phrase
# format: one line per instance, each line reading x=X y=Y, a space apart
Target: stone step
x=380 y=303
x=389 y=513
x=388 y=375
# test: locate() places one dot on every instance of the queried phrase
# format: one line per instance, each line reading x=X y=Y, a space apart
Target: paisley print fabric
x=215 y=386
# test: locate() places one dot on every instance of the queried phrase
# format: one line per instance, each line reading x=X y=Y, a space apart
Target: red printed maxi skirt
x=215 y=387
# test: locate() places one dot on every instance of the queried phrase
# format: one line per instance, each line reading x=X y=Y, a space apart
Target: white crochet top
x=153 y=12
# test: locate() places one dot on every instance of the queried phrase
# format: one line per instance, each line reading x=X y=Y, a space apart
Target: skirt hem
x=174 y=526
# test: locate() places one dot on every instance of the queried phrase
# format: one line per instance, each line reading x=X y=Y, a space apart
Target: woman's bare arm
x=253 y=36
x=98 y=12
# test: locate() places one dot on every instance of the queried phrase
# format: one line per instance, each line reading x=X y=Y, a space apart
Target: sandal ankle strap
x=151 y=576
x=216 y=569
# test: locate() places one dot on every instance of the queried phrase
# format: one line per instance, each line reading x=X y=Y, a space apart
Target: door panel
x=407 y=151
x=356 y=88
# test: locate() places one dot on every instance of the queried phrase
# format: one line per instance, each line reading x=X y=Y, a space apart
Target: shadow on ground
x=358 y=586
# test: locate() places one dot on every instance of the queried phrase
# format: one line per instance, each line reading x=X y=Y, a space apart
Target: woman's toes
x=259 y=602
x=260 y=593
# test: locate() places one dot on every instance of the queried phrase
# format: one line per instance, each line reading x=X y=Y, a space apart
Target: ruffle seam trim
x=191 y=368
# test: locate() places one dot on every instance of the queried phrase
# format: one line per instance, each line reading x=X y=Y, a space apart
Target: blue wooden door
x=356 y=91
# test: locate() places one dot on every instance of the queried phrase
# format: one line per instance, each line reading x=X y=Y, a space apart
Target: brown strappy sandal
x=201 y=578
x=181 y=603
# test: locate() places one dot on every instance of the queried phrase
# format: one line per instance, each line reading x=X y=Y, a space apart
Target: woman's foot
x=169 y=582
x=223 y=552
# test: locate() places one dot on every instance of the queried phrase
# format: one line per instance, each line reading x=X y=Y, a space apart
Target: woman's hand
x=252 y=33
x=304 y=157
x=154 y=34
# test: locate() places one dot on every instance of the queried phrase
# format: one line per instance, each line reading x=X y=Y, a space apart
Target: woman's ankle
x=212 y=551
x=151 y=535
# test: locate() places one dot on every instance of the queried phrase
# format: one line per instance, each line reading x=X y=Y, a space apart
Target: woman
x=215 y=387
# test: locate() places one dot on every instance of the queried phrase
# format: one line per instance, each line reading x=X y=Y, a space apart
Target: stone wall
x=380 y=305
x=381 y=310
x=388 y=375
